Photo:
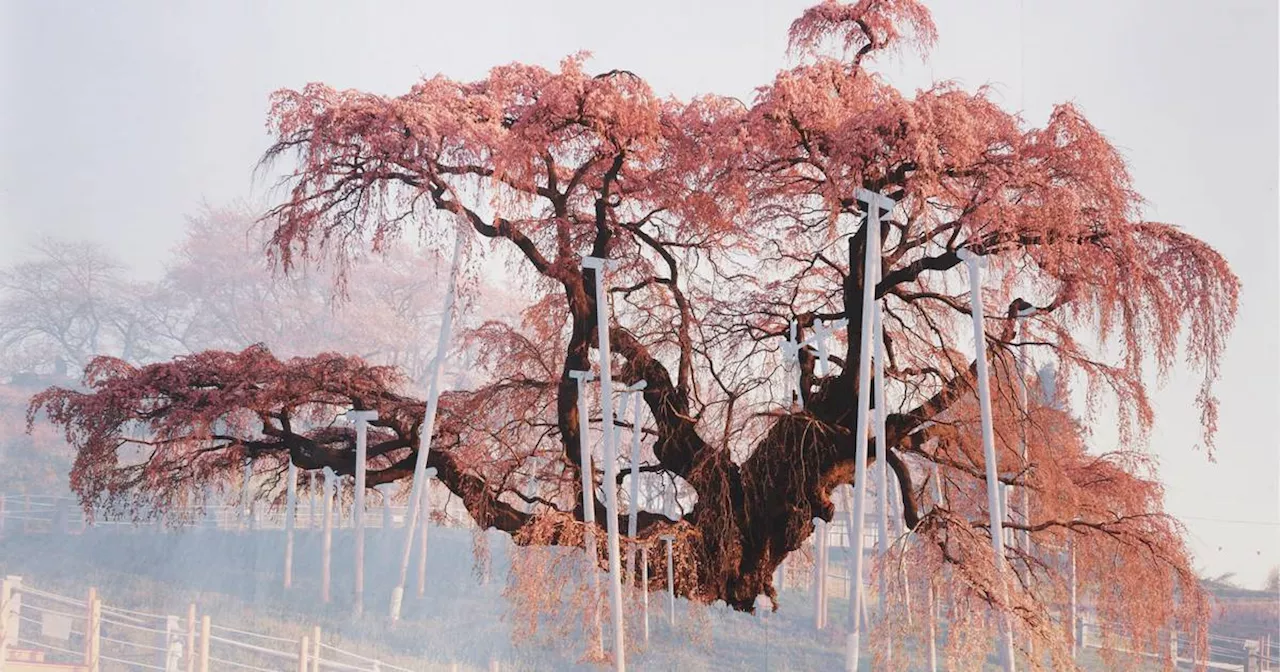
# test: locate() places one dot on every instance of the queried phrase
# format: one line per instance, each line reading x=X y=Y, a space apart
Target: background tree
x=727 y=221
x=69 y=303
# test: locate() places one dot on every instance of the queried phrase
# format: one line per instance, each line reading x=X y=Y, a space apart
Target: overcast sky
x=119 y=118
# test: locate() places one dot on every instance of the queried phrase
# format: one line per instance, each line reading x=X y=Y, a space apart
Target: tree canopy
x=727 y=221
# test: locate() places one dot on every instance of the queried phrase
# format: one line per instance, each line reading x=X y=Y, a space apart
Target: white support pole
x=428 y=425
x=290 y=509
x=819 y=574
x=881 y=468
x=587 y=470
x=424 y=517
x=933 y=629
x=633 y=509
x=245 y=501
x=875 y=204
x=671 y=580
x=361 y=420
x=326 y=543
x=1022 y=435
x=791 y=367
x=385 y=492
x=669 y=498
x=825 y=576
x=313 y=518
x=855 y=546
x=644 y=589
x=597 y=264
x=172 y=657
x=1073 y=617
x=974 y=263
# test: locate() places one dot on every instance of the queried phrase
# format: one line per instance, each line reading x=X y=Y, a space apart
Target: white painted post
x=821 y=331
x=361 y=420
x=1073 y=606
x=671 y=580
x=1022 y=434
x=875 y=204
x=597 y=264
x=589 y=507
x=385 y=491
x=819 y=574
x=791 y=368
x=995 y=511
x=669 y=498
x=326 y=543
x=826 y=573
x=853 y=545
x=290 y=509
x=644 y=589
x=881 y=468
x=424 y=517
x=636 y=391
x=933 y=629
x=428 y=425
x=172 y=644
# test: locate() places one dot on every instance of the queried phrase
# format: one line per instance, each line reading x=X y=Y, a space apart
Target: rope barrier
x=27 y=590
x=241 y=665
x=132 y=663
x=46 y=610
x=254 y=634
x=332 y=664
x=292 y=655
x=50 y=647
x=107 y=621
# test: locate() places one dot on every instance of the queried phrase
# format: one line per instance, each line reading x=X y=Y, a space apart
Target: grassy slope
x=236 y=580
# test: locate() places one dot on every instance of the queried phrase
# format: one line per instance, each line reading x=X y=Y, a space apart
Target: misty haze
x=871 y=335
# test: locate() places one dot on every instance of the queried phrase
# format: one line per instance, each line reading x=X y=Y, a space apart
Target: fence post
x=93 y=632
x=204 y=644
x=172 y=654
x=191 y=637
x=304 y=649
x=315 y=651
x=13 y=614
x=7 y=617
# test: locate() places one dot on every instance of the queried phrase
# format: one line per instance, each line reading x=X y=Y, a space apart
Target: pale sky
x=119 y=118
